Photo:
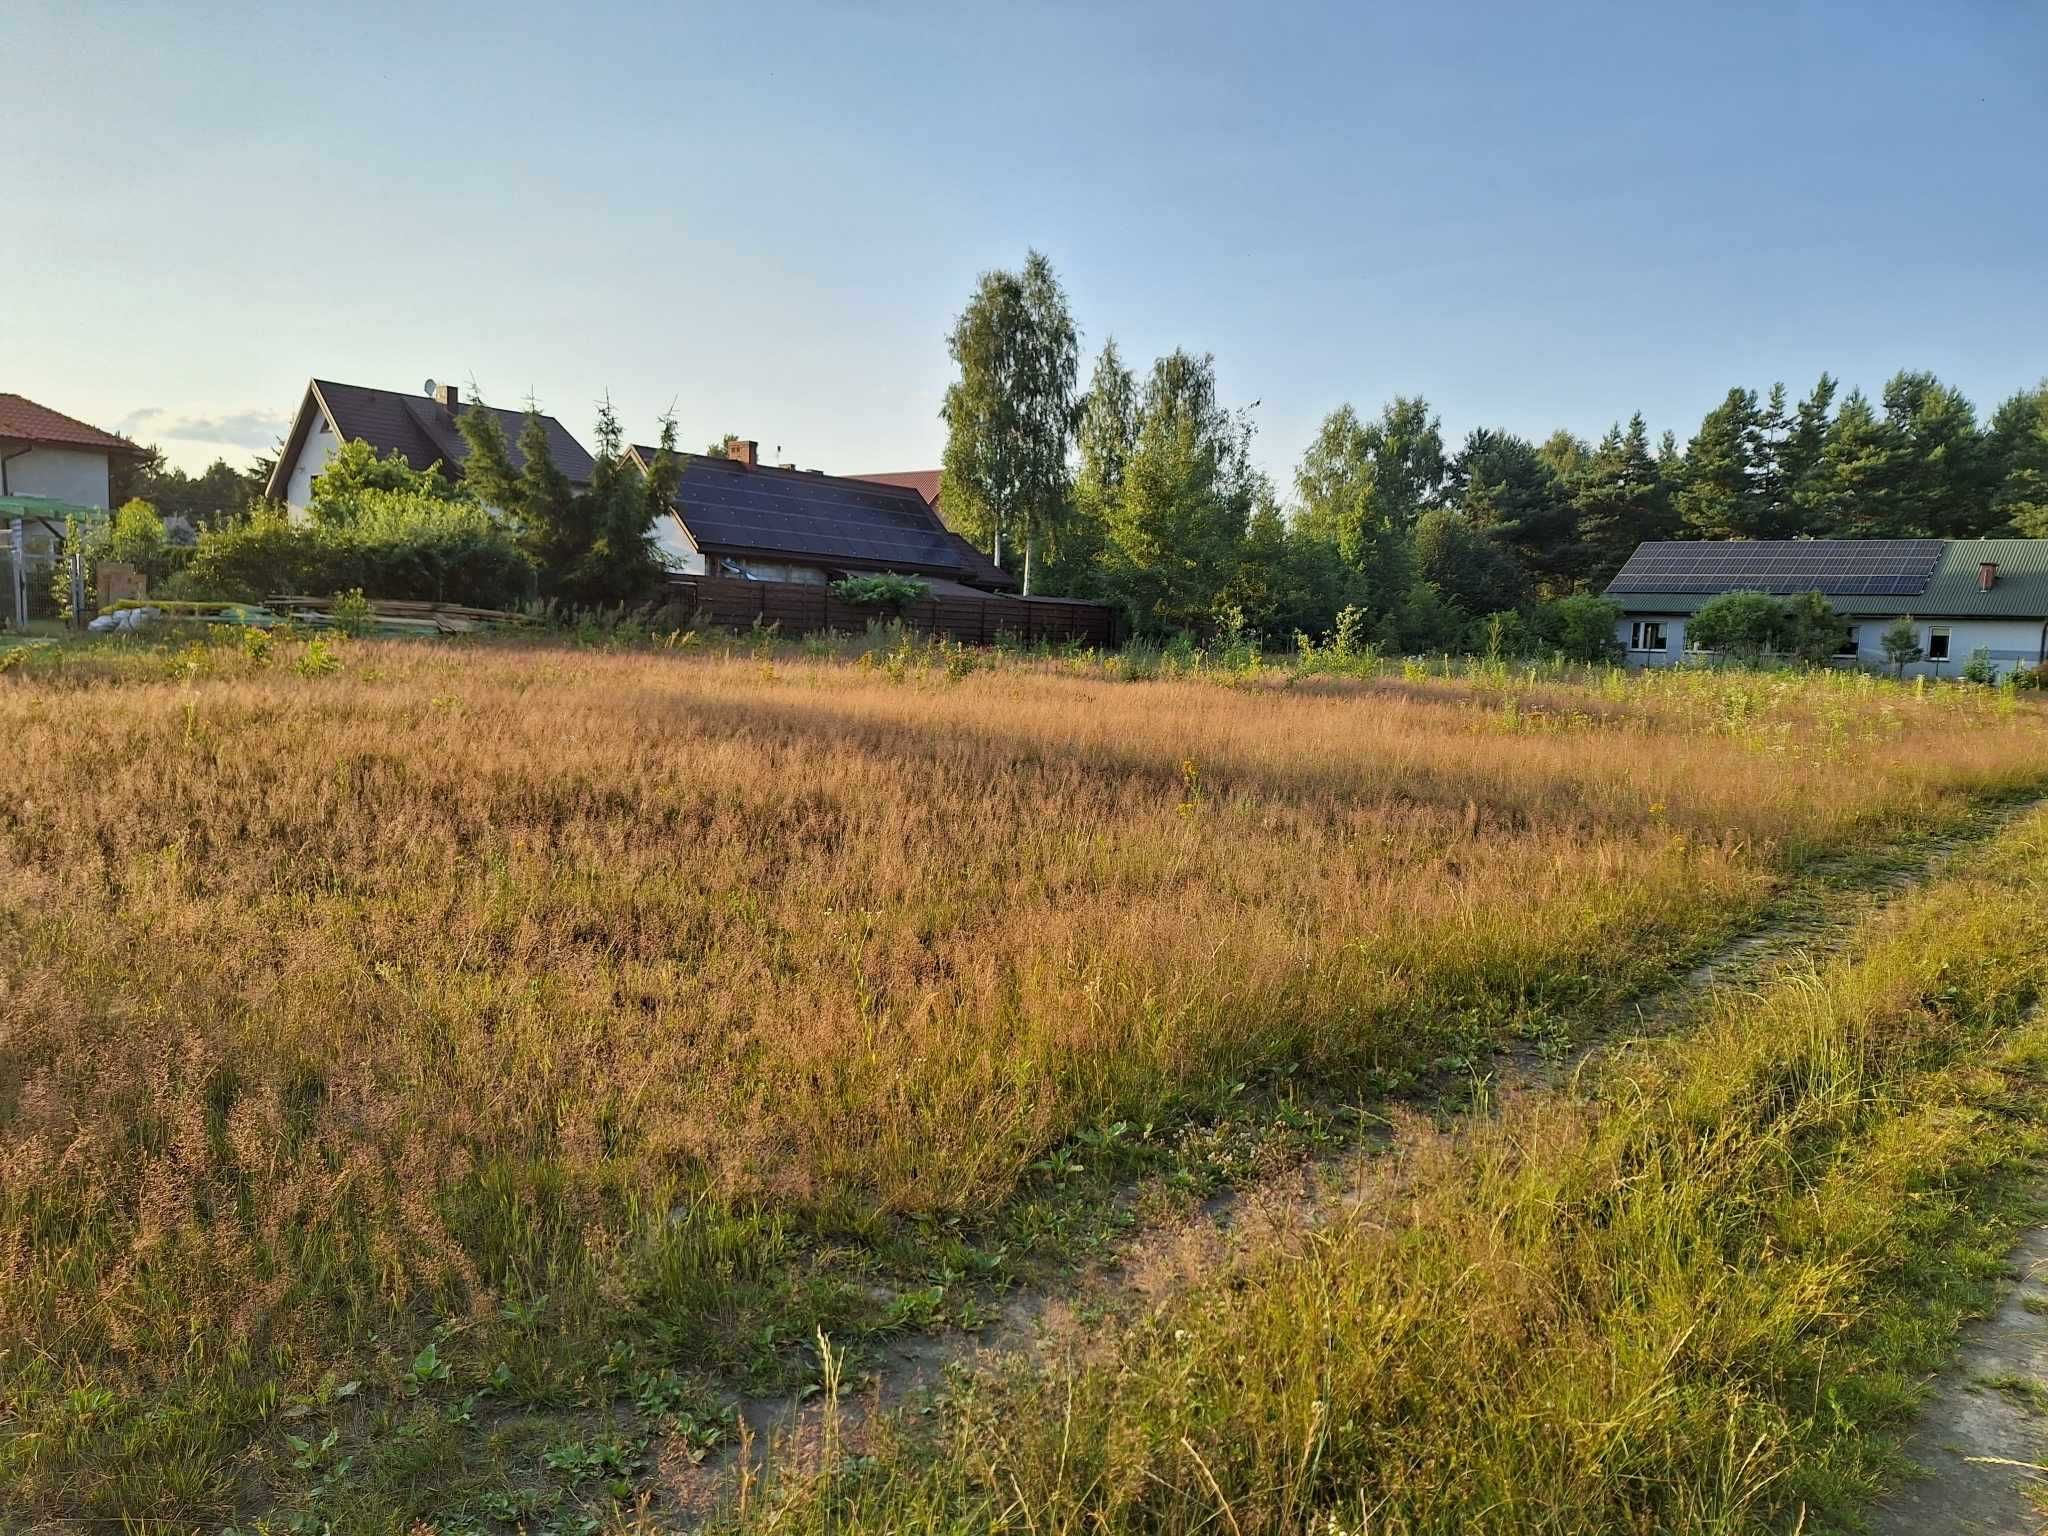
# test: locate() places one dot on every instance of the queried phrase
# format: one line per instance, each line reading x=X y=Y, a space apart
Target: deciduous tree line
x=1139 y=487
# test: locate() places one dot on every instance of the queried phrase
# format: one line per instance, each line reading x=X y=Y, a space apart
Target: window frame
x=1943 y=632
x=1638 y=628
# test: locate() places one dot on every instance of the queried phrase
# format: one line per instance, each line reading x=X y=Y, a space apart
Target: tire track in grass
x=1980 y=1442
x=1817 y=914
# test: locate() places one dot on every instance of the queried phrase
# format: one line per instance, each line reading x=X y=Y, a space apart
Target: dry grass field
x=1694 y=1292
x=415 y=1044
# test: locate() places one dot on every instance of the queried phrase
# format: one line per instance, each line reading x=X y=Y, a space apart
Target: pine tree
x=1850 y=494
x=1938 y=471
x=1504 y=487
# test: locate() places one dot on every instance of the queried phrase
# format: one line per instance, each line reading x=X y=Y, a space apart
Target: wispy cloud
x=255 y=430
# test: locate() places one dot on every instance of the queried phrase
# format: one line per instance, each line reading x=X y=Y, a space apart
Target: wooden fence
x=798 y=608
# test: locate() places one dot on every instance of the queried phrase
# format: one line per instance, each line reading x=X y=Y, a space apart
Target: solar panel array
x=1837 y=567
x=819 y=517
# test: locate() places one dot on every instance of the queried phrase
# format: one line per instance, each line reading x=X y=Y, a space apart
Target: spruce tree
x=1621 y=500
x=1719 y=499
x=1770 y=479
x=1105 y=437
x=1800 y=458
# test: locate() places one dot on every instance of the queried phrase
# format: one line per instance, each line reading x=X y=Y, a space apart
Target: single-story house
x=736 y=516
x=1962 y=595
x=421 y=429
x=54 y=457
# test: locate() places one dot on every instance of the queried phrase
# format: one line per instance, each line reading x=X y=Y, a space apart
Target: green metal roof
x=2020 y=592
x=49 y=507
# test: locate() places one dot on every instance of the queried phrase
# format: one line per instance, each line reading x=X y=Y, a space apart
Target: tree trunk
x=1029 y=542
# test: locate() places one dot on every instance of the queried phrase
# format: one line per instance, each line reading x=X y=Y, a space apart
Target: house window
x=1848 y=645
x=1937 y=645
x=1646 y=635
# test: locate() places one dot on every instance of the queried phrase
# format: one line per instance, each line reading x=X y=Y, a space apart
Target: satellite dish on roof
x=429 y=388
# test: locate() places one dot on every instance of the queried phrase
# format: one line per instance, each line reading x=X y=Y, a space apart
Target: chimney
x=1987 y=575
x=743 y=450
x=446 y=396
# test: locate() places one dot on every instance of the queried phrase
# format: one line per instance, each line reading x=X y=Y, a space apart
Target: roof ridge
x=808 y=474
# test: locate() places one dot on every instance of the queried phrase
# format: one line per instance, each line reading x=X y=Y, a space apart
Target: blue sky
x=768 y=215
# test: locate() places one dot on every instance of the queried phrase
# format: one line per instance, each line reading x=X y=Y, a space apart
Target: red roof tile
x=923 y=481
x=24 y=421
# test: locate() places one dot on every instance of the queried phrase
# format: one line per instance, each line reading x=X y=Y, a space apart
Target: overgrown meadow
x=399 y=1040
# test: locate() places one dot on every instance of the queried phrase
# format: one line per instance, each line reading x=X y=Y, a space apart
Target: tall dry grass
x=1694 y=1298
x=329 y=1003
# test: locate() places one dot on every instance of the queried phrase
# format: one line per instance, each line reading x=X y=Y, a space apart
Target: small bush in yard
x=887 y=590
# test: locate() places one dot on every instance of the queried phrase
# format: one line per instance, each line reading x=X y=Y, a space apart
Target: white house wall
x=65 y=474
x=673 y=542
x=2010 y=643
x=321 y=445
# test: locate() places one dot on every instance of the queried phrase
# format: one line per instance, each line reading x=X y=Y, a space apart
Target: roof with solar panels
x=1929 y=578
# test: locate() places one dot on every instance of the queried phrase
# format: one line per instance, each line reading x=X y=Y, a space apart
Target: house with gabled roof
x=1961 y=595
x=421 y=429
x=735 y=516
x=48 y=456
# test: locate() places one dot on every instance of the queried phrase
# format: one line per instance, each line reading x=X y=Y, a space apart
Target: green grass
x=1701 y=1296
x=435 y=1081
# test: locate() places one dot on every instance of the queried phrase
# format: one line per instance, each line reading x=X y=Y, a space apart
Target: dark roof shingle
x=421 y=430
x=808 y=518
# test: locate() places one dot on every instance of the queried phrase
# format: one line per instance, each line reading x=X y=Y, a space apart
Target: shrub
x=134 y=536
x=1745 y=625
x=1581 y=628
x=1978 y=669
x=1813 y=631
x=884 y=590
x=351 y=612
x=399 y=546
x=357 y=484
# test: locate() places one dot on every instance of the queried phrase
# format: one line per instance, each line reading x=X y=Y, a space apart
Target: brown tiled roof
x=923 y=481
x=22 y=420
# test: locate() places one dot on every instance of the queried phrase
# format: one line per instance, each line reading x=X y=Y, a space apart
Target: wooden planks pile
x=806 y=608
x=403 y=616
